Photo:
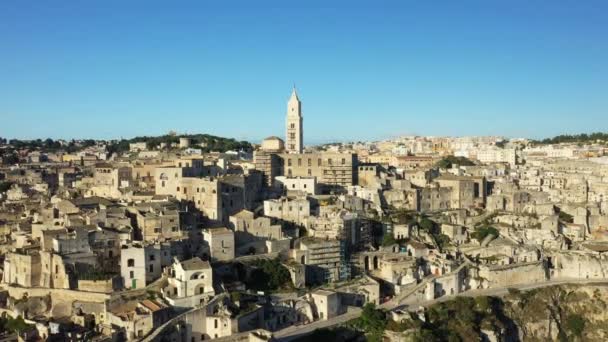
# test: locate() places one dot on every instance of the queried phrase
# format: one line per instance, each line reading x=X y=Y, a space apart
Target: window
x=329 y=162
x=289 y=162
x=152 y=257
x=131 y=262
x=292 y=125
x=132 y=274
x=343 y=161
x=151 y=268
x=299 y=161
x=319 y=162
x=309 y=173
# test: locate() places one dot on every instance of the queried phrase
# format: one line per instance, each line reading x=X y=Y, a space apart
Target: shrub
x=576 y=324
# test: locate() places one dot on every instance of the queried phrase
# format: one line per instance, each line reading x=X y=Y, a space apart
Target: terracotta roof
x=151 y=305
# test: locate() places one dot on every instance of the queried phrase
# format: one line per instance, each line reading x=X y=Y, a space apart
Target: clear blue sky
x=364 y=70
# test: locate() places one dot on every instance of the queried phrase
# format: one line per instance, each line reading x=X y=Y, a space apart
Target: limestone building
x=267 y=160
x=221 y=243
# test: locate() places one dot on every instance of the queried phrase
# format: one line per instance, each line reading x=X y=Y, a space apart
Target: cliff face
x=558 y=313
x=566 y=313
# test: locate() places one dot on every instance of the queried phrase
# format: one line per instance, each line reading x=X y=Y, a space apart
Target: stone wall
x=514 y=274
x=101 y=286
x=579 y=265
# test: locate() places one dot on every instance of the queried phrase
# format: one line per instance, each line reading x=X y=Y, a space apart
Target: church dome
x=273 y=143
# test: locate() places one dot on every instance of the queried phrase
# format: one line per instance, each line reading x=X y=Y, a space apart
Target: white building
x=190 y=283
x=303 y=184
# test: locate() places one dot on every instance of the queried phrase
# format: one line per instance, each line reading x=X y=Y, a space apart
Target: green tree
x=268 y=275
x=13 y=325
x=565 y=217
x=4 y=186
x=449 y=161
x=482 y=232
x=388 y=240
x=373 y=322
x=442 y=240
x=575 y=324
x=427 y=225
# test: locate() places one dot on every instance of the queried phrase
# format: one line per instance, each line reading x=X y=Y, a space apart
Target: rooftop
x=195 y=264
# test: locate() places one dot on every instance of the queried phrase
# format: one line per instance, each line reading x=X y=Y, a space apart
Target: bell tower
x=294 y=142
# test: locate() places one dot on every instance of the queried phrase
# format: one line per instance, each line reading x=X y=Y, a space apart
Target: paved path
x=292 y=332
x=501 y=291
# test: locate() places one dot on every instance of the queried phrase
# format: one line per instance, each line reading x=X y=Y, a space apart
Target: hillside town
x=190 y=238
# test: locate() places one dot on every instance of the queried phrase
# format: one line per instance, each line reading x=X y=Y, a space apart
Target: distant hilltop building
x=184 y=142
x=294 y=132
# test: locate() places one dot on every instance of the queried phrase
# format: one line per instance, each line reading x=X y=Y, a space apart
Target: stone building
x=140 y=265
x=323 y=259
x=221 y=243
x=294 y=210
x=158 y=220
x=327 y=304
x=332 y=170
x=267 y=160
x=109 y=178
x=248 y=228
x=22 y=269
x=307 y=185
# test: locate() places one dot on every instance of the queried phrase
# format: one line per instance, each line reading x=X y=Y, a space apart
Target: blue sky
x=364 y=70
